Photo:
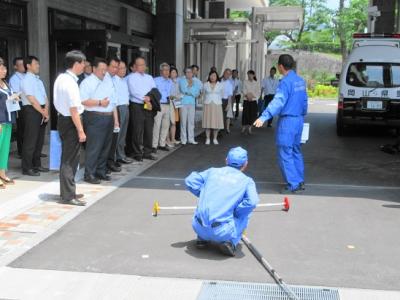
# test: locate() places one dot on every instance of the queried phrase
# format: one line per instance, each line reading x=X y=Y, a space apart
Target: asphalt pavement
x=342 y=232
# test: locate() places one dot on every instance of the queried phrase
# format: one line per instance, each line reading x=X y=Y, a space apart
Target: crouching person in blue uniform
x=226 y=199
x=290 y=104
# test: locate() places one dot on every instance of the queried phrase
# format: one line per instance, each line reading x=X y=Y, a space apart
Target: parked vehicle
x=369 y=87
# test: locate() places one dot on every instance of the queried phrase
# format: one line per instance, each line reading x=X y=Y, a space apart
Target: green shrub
x=322 y=91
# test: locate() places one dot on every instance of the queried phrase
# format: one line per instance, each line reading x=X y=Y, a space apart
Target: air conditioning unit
x=215 y=10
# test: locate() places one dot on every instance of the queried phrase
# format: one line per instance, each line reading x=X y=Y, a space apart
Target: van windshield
x=373 y=75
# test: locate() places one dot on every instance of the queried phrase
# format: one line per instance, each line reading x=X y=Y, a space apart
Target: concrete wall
x=107 y=11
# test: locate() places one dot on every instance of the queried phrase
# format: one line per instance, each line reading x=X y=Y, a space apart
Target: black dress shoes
x=150 y=157
x=42 y=155
x=41 y=169
x=125 y=161
x=92 y=180
x=114 y=168
x=104 y=177
x=165 y=148
x=31 y=172
x=138 y=158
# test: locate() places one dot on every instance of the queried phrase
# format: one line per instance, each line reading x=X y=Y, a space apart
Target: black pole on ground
x=269 y=268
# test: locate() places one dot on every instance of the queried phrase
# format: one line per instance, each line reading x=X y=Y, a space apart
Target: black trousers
x=267 y=100
x=237 y=102
x=20 y=130
x=142 y=123
x=70 y=156
x=99 y=131
x=34 y=131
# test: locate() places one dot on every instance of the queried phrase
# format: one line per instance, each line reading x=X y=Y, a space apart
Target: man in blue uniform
x=226 y=199
x=290 y=104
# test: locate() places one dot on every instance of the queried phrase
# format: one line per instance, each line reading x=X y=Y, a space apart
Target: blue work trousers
x=290 y=158
x=226 y=232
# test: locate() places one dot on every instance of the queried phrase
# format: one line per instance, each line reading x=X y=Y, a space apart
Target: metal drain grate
x=214 y=290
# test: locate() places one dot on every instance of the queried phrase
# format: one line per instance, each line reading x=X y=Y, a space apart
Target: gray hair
x=188 y=69
x=164 y=65
x=72 y=57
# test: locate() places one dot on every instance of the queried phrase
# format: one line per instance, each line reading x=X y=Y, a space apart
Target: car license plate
x=374 y=105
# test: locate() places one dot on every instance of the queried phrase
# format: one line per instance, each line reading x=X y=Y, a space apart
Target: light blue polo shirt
x=94 y=88
x=32 y=85
x=164 y=85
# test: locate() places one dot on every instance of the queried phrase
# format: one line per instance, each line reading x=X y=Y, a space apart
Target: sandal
x=7 y=180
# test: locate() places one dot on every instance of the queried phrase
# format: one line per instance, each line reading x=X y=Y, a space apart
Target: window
x=62 y=21
x=146 y=5
x=94 y=25
x=374 y=75
x=11 y=15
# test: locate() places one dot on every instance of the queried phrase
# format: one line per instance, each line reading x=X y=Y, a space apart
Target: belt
x=293 y=116
x=100 y=113
x=213 y=225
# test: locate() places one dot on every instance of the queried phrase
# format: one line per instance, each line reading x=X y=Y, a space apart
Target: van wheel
x=340 y=127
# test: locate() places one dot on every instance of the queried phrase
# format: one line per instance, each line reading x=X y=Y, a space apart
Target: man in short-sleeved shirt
x=98 y=97
x=36 y=115
x=67 y=101
x=15 y=83
x=142 y=119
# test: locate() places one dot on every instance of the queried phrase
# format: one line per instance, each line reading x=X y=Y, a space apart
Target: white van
x=369 y=87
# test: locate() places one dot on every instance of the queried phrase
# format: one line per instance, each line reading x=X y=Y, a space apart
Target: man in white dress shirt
x=227 y=98
x=98 y=97
x=237 y=91
x=67 y=101
x=268 y=87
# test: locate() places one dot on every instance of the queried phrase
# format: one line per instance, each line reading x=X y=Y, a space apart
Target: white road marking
x=339 y=186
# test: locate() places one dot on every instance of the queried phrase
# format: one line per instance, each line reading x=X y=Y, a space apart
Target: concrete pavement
x=340 y=233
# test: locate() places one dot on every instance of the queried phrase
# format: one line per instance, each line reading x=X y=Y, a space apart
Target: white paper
x=306 y=133
x=12 y=105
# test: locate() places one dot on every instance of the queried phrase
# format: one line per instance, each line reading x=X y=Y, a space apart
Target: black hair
x=131 y=64
x=235 y=70
x=273 y=69
x=174 y=69
x=252 y=73
x=2 y=62
x=286 y=61
x=113 y=58
x=213 y=72
x=98 y=61
x=28 y=60
x=195 y=66
x=72 y=57
x=17 y=59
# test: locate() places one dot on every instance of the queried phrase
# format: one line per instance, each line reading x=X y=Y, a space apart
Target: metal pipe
x=269 y=268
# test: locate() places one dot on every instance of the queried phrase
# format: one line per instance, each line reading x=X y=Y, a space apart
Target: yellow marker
x=156 y=209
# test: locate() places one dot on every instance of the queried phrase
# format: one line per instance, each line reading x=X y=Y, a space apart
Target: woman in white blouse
x=251 y=93
x=213 y=119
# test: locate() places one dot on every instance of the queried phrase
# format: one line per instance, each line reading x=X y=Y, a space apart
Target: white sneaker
x=215 y=141
x=183 y=143
x=207 y=141
x=193 y=143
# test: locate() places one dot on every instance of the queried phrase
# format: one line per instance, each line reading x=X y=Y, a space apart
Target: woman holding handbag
x=8 y=106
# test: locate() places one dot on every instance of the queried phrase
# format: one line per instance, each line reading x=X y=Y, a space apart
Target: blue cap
x=237 y=157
